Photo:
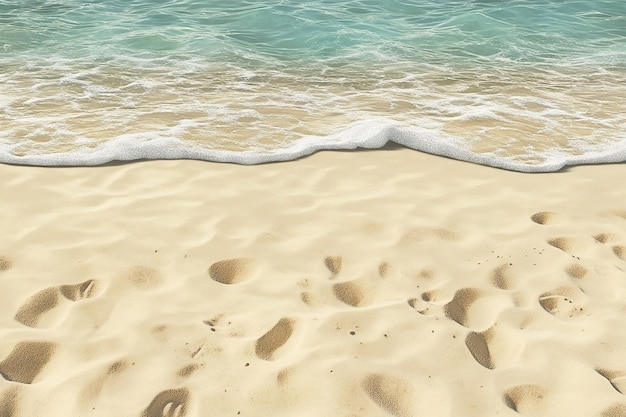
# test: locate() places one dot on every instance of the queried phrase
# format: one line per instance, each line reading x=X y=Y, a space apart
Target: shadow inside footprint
x=478 y=345
x=391 y=394
x=616 y=410
x=143 y=277
x=187 y=370
x=231 y=271
x=350 y=293
x=26 y=361
x=333 y=264
x=32 y=310
x=500 y=278
x=5 y=263
x=543 y=217
x=526 y=399
x=277 y=336
x=457 y=308
x=307 y=298
x=561 y=243
x=604 y=237
x=617 y=379
x=168 y=403
x=383 y=269
x=576 y=271
x=571 y=245
x=79 y=291
x=8 y=403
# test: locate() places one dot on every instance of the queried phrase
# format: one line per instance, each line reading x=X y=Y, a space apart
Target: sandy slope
x=369 y=283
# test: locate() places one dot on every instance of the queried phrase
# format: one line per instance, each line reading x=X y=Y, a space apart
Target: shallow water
x=522 y=85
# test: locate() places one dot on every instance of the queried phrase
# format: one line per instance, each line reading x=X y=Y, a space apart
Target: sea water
x=527 y=85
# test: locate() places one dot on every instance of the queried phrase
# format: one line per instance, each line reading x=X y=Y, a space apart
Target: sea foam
x=370 y=135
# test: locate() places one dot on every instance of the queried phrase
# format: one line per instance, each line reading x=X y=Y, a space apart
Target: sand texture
x=370 y=283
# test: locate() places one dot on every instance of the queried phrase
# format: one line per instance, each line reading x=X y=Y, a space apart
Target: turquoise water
x=522 y=85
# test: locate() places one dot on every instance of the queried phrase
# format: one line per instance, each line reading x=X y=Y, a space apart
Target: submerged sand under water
x=526 y=119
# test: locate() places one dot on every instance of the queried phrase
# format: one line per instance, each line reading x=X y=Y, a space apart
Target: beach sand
x=367 y=283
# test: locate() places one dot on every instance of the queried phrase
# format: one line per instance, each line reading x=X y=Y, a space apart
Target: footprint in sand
x=308 y=299
x=476 y=308
x=168 y=403
x=273 y=339
x=616 y=410
x=576 y=271
x=5 y=263
x=143 y=277
x=565 y=244
x=571 y=246
x=353 y=293
x=415 y=304
x=33 y=310
x=564 y=302
x=79 y=291
x=36 y=306
x=8 y=403
x=356 y=293
x=430 y=296
x=605 y=237
x=496 y=347
x=620 y=252
x=26 y=361
x=187 y=370
x=458 y=308
x=528 y=400
x=383 y=269
x=616 y=378
x=333 y=264
x=232 y=271
x=427 y=303
x=544 y=217
x=501 y=277
x=393 y=395
x=478 y=345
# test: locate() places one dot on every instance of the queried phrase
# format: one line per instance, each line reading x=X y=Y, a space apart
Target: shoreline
x=390 y=283
x=359 y=136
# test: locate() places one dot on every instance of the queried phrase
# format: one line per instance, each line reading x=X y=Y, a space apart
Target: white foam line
x=370 y=135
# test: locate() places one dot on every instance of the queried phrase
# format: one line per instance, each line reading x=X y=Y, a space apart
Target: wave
x=366 y=135
x=493 y=83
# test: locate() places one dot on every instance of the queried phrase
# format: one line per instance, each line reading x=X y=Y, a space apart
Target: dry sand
x=344 y=284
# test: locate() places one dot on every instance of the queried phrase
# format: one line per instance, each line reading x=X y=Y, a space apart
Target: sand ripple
x=319 y=287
